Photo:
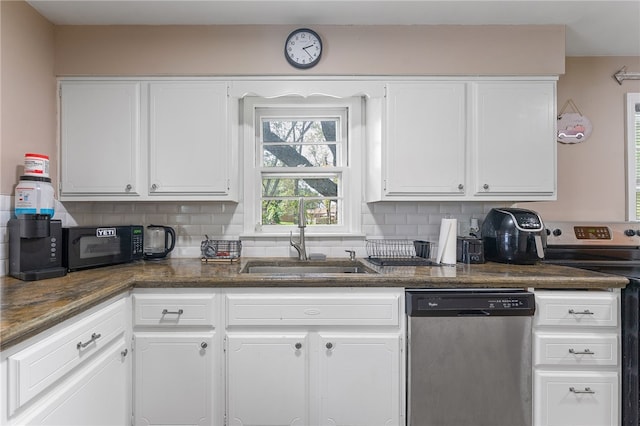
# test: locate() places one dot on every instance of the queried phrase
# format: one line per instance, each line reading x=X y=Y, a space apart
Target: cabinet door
x=360 y=379
x=514 y=146
x=100 y=138
x=424 y=150
x=188 y=143
x=98 y=394
x=267 y=382
x=173 y=378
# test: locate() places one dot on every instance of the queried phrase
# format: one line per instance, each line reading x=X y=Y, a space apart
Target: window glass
x=633 y=154
x=302 y=154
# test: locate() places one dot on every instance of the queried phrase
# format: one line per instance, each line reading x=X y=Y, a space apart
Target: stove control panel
x=592 y=232
x=584 y=233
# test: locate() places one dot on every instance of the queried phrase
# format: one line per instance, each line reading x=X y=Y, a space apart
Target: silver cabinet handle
x=585 y=352
x=298 y=345
x=329 y=345
x=128 y=187
x=585 y=312
x=124 y=352
x=94 y=337
x=586 y=390
x=154 y=187
x=485 y=186
x=460 y=186
x=167 y=312
x=203 y=345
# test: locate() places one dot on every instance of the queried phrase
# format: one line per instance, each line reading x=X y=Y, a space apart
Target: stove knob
x=557 y=232
x=629 y=232
x=548 y=232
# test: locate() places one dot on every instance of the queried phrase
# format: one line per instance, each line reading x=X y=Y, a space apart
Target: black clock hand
x=305 y=49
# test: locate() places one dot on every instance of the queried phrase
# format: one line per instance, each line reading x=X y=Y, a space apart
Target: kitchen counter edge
x=31 y=307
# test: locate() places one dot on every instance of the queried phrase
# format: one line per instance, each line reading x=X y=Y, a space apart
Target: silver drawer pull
x=585 y=312
x=585 y=352
x=178 y=312
x=586 y=390
x=94 y=337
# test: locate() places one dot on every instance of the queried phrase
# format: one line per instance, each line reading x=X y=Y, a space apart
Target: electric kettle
x=158 y=241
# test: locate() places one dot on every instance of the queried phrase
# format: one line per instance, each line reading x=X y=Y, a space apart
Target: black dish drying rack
x=398 y=252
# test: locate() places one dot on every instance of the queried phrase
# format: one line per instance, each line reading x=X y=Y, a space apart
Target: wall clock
x=303 y=48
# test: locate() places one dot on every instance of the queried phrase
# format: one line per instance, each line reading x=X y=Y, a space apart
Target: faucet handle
x=352 y=254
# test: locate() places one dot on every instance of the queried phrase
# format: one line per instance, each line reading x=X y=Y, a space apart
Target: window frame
x=632 y=99
x=350 y=194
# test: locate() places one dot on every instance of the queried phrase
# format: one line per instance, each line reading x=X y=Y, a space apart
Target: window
x=303 y=149
x=633 y=156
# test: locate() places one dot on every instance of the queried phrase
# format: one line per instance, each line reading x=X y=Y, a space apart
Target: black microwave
x=86 y=247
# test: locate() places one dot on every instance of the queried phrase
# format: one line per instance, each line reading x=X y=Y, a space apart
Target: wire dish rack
x=385 y=252
x=220 y=250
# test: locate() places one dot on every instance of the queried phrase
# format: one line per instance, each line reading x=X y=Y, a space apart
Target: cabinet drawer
x=162 y=310
x=584 y=310
x=38 y=366
x=580 y=399
x=575 y=349
x=322 y=309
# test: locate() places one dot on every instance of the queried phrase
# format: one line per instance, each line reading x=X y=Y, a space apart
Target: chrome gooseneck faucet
x=302 y=223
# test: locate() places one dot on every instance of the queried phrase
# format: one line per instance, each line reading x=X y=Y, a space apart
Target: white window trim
x=631 y=100
x=352 y=179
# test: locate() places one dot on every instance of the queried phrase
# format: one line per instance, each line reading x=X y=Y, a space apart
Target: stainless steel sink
x=308 y=267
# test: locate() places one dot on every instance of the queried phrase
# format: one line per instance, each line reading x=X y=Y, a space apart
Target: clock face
x=303 y=48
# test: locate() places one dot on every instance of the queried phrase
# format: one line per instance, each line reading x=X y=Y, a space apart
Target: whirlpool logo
x=105 y=232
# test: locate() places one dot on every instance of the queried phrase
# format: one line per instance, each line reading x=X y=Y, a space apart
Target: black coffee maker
x=35 y=247
x=513 y=235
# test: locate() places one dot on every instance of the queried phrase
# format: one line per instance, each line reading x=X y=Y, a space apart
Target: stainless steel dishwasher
x=469 y=357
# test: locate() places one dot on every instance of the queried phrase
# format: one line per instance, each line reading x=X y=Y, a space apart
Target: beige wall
x=359 y=50
x=28 y=88
x=591 y=174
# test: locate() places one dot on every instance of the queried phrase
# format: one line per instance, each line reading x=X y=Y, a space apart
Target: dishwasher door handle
x=474 y=313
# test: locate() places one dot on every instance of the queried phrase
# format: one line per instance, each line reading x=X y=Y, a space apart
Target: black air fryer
x=513 y=236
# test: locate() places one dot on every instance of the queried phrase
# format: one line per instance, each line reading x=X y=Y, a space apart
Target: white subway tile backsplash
x=428 y=208
x=417 y=219
x=406 y=208
x=145 y=207
x=223 y=220
x=384 y=207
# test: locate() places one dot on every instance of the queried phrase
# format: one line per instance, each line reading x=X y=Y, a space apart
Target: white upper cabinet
x=100 y=135
x=160 y=139
x=188 y=138
x=514 y=138
x=463 y=139
x=426 y=139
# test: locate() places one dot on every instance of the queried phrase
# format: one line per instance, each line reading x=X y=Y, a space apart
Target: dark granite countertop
x=30 y=307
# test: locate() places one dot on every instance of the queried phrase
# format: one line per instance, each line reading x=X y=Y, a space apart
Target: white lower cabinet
x=335 y=359
x=359 y=379
x=77 y=373
x=288 y=356
x=267 y=379
x=173 y=378
x=576 y=358
x=584 y=398
x=176 y=358
x=97 y=396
